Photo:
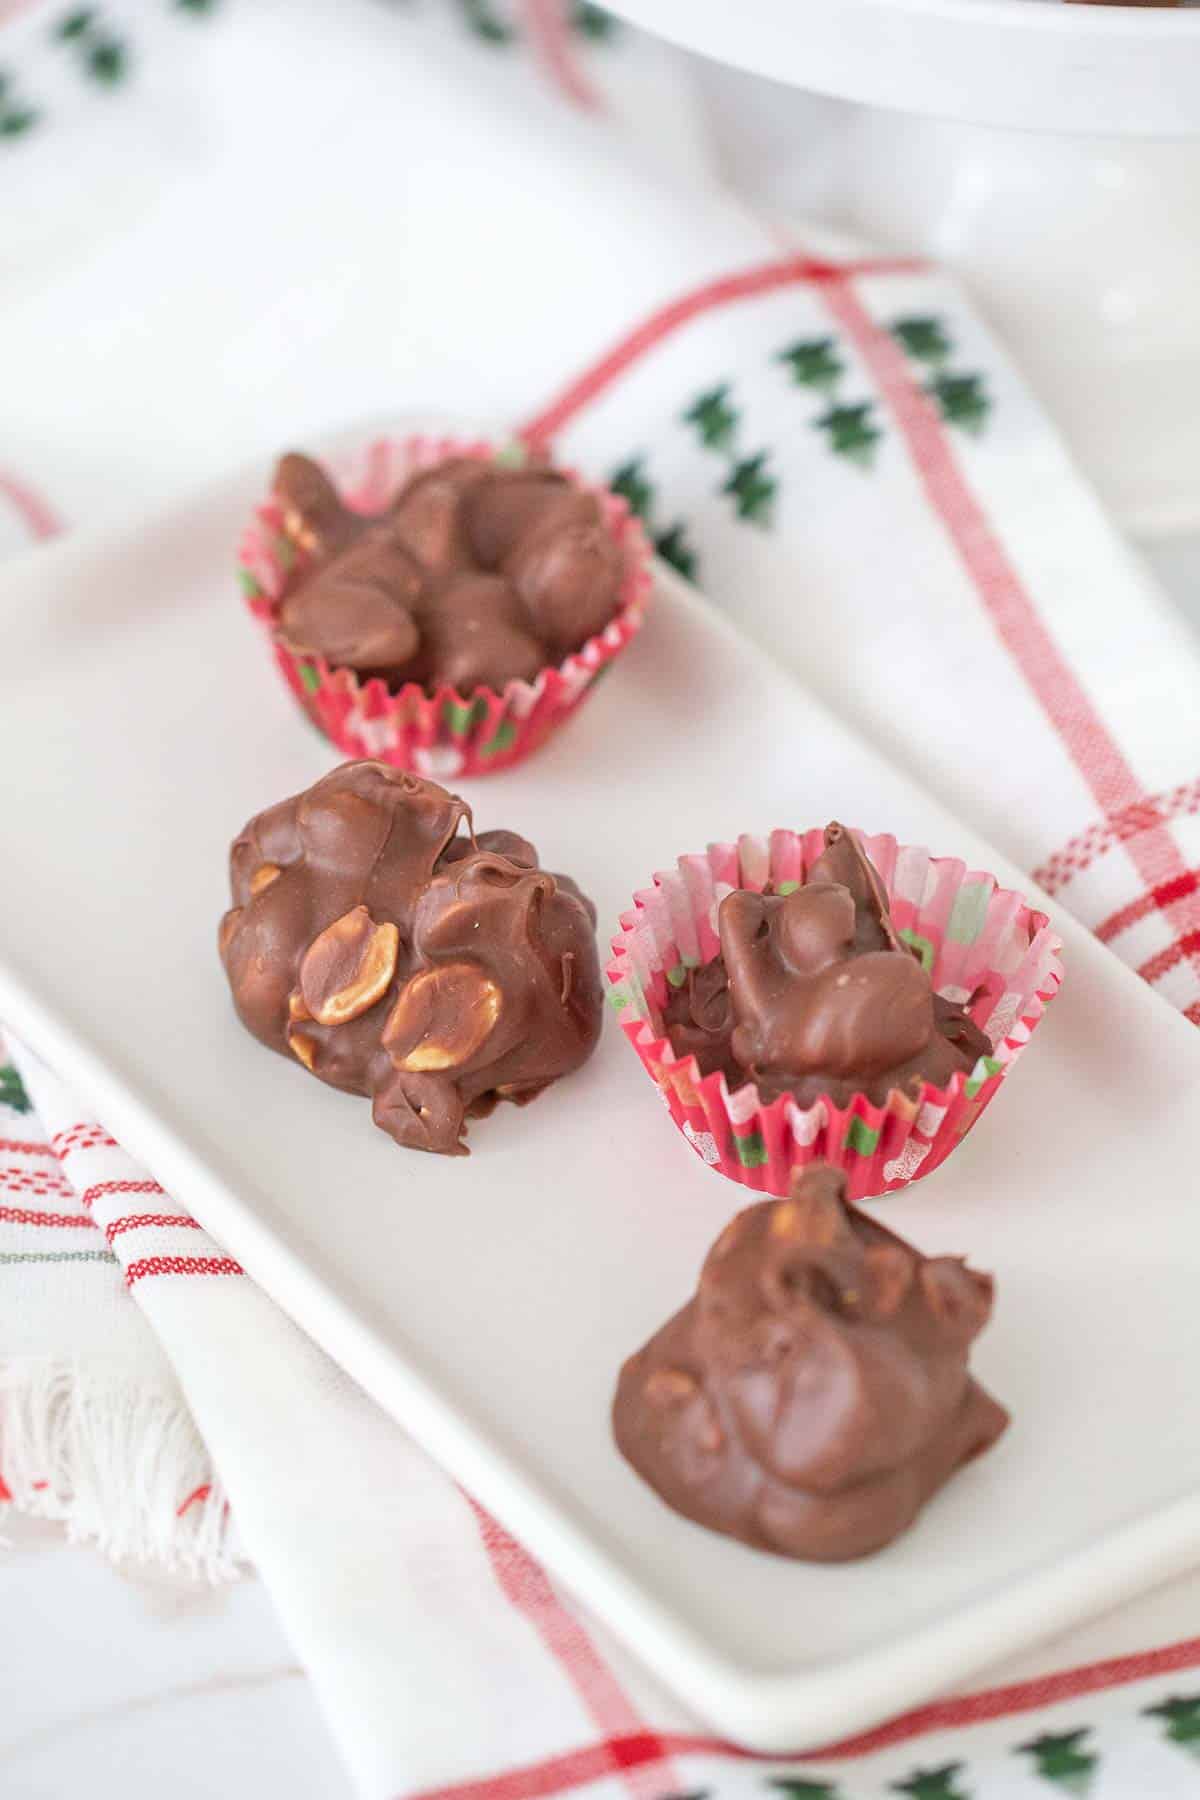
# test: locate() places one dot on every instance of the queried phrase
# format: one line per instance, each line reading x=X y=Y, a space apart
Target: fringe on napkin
x=120 y=1464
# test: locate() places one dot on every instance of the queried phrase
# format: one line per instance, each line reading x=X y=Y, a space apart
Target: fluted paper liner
x=983 y=945
x=443 y=734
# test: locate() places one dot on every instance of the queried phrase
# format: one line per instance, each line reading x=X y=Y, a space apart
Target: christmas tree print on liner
x=1061 y=1758
x=12 y=1090
x=750 y=484
x=933 y=1784
x=1182 y=1717
x=632 y=483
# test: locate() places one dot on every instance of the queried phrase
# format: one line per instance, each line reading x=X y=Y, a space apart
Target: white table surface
x=126 y=1683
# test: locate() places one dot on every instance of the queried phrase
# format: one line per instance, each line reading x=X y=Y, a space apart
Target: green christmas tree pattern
x=813 y=362
x=593 y=22
x=923 y=338
x=848 y=427
x=12 y=1090
x=16 y=117
x=481 y=21
x=933 y=1784
x=962 y=400
x=1062 y=1758
x=749 y=483
x=851 y=431
x=1182 y=1715
x=632 y=483
x=794 y=1787
x=715 y=420
x=102 y=55
x=75 y=24
x=484 y=22
x=673 y=547
x=753 y=488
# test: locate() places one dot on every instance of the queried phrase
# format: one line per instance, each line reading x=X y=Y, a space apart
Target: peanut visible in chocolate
x=397 y=954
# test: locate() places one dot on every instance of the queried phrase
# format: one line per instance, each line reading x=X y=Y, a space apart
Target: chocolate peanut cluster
x=814 y=1393
x=813 y=993
x=475 y=575
x=378 y=940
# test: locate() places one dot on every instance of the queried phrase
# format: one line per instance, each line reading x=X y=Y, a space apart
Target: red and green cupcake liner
x=982 y=944
x=443 y=734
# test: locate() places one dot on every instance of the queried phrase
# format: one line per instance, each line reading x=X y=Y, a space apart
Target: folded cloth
x=830 y=443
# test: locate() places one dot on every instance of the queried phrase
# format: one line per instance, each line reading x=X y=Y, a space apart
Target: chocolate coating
x=814 y=1393
x=814 y=994
x=378 y=940
x=474 y=575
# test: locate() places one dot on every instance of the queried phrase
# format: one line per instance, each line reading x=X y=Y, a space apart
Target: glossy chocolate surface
x=813 y=993
x=380 y=942
x=814 y=1393
x=475 y=575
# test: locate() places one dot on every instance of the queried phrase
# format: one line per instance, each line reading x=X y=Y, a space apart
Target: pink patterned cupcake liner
x=443 y=734
x=982 y=944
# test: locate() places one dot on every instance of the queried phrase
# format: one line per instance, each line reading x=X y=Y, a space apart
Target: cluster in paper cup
x=982 y=945
x=440 y=734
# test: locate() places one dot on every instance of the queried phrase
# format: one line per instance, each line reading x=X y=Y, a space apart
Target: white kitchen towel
x=341 y=210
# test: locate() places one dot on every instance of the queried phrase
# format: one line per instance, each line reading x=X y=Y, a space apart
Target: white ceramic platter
x=1039 y=63
x=487 y=1302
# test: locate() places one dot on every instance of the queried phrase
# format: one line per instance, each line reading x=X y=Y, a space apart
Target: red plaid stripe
x=1066 y=704
x=1104 y=834
x=746 y=285
x=144 y=1266
x=87 y=1135
x=20 y=1215
x=40 y=1182
x=35 y=513
x=99 y=1189
x=549 y=35
x=524 y=1582
x=645 y=1750
x=1145 y=904
x=138 y=1221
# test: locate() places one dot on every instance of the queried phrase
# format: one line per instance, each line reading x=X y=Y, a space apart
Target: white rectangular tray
x=487 y=1302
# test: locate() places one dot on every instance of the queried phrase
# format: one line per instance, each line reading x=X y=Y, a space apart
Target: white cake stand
x=1048 y=152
